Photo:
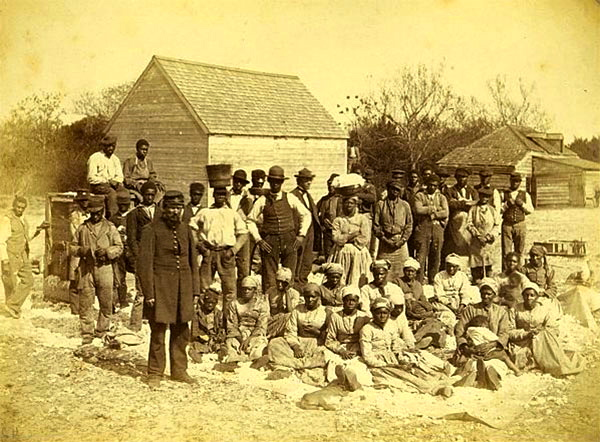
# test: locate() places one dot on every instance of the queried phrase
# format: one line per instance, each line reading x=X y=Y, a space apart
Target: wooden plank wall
x=553 y=190
x=178 y=147
x=322 y=156
x=592 y=182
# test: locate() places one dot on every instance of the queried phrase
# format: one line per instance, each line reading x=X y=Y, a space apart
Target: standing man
x=120 y=266
x=169 y=280
x=485 y=177
x=517 y=205
x=278 y=237
x=329 y=208
x=139 y=169
x=240 y=201
x=192 y=208
x=393 y=226
x=431 y=215
x=137 y=219
x=461 y=197
x=221 y=234
x=304 y=179
x=98 y=244
x=77 y=217
x=14 y=254
x=104 y=173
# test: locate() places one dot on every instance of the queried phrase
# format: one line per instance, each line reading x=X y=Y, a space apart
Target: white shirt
x=527 y=206
x=102 y=169
x=218 y=226
x=255 y=215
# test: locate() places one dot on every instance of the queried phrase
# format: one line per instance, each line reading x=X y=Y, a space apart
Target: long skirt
x=396 y=257
x=280 y=353
x=355 y=261
x=276 y=325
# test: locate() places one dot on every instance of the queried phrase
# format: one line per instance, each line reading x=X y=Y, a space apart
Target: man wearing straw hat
x=278 y=238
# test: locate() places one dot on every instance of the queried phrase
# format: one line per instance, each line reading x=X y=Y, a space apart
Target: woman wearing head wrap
x=451 y=285
x=469 y=358
x=301 y=346
x=379 y=287
x=351 y=236
x=535 y=342
x=538 y=271
x=381 y=349
x=332 y=285
x=283 y=299
x=342 y=339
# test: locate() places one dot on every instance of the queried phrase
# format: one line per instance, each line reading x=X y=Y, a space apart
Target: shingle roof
x=505 y=146
x=240 y=102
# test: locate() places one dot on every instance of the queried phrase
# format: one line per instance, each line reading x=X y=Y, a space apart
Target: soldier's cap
x=96 y=203
x=400 y=172
x=461 y=171
x=486 y=171
x=173 y=198
x=108 y=140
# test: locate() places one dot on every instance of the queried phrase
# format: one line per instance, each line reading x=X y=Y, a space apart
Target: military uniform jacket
x=168 y=272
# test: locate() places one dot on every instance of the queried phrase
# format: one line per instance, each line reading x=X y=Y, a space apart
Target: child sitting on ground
x=208 y=332
x=478 y=333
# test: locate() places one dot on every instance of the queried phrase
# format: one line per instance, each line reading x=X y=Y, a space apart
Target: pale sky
x=337 y=48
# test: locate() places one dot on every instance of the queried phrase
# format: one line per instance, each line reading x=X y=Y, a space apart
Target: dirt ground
x=48 y=393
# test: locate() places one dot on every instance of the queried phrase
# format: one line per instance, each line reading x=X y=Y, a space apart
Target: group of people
x=371 y=317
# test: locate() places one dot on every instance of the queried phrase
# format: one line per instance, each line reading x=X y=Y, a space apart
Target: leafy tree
x=588 y=149
x=104 y=103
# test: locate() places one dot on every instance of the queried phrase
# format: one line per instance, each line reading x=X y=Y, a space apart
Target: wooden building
x=553 y=174
x=195 y=114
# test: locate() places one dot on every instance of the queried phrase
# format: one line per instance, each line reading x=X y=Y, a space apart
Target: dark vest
x=514 y=214
x=278 y=216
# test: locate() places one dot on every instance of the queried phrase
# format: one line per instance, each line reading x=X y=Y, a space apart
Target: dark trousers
x=283 y=252
x=305 y=258
x=428 y=240
x=120 y=283
x=110 y=195
x=218 y=262
x=242 y=262
x=137 y=309
x=157 y=359
x=513 y=238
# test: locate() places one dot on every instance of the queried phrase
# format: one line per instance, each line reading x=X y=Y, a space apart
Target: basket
x=219 y=175
x=348 y=191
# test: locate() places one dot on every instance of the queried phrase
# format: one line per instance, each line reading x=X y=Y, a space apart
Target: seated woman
x=398 y=317
x=247 y=318
x=450 y=286
x=381 y=349
x=283 y=299
x=535 y=339
x=422 y=317
x=342 y=341
x=351 y=236
x=469 y=357
x=332 y=285
x=511 y=282
x=379 y=287
x=539 y=272
x=208 y=333
x=302 y=343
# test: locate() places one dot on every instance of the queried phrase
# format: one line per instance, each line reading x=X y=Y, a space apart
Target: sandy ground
x=48 y=393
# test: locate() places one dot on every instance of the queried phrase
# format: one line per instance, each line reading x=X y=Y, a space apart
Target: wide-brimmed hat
x=305 y=173
x=276 y=173
x=96 y=203
x=240 y=175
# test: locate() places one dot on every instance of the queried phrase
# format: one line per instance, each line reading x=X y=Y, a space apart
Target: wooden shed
x=195 y=114
x=553 y=174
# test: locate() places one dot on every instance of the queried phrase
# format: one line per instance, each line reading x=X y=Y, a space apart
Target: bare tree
x=520 y=108
x=104 y=103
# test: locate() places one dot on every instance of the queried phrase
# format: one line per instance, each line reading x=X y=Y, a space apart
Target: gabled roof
x=232 y=101
x=505 y=146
